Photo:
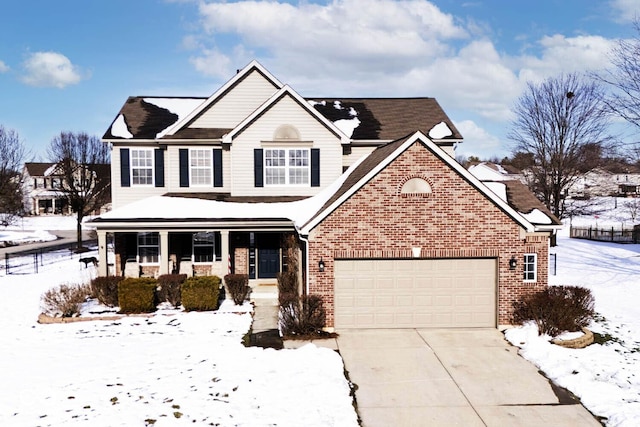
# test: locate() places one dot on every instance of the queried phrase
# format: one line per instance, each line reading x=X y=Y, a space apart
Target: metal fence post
x=6 y=263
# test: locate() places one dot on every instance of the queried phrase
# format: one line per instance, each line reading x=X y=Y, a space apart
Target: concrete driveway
x=452 y=377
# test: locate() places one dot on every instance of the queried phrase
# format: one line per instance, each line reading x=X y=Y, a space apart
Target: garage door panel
x=415 y=293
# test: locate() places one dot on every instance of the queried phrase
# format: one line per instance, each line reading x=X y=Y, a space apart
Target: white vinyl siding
x=312 y=133
x=121 y=196
x=141 y=162
x=237 y=104
x=201 y=167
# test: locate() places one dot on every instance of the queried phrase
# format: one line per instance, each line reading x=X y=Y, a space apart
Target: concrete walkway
x=456 y=377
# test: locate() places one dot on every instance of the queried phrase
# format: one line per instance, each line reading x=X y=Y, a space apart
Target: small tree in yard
x=12 y=154
x=83 y=162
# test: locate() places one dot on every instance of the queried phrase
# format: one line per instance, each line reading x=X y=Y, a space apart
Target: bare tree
x=558 y=122
x=624 y=78
x=12 y=153
x=82 y=160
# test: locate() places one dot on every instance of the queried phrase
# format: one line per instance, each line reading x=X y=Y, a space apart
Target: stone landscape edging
x=45 y=319
x=580 y=342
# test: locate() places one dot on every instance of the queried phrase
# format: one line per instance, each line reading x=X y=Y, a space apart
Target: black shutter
x=184 y=167
x=257 y=167
x=125 y=178
x=315 y=167
x=217 y=168
x=159 y=167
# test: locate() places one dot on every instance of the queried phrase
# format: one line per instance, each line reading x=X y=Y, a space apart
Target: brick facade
x=454 y=221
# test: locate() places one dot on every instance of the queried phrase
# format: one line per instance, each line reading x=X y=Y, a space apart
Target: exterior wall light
x=321 y=265
x=513 y=263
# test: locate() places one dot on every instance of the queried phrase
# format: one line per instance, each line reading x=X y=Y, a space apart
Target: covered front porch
x=204 y=250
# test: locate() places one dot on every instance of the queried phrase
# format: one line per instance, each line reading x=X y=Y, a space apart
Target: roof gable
x=382 y=157
x=241 y=75
x=285 y=91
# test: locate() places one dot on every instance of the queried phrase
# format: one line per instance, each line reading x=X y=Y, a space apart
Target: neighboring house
x=406 y=237
x=600 y=182
x=43 y=185
x=486 y=171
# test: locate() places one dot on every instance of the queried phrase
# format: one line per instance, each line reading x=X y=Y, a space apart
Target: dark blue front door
x=268 y=263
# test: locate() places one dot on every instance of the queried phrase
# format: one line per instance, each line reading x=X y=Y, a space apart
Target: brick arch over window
x=286 y=133
x=415 y=186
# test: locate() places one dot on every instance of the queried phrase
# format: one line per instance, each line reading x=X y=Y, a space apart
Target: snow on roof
x=119 y=128
x=50 y=169
x=439 y=131
x=498 y=188
x=181 y=107
x=346 y=126
x=536 y=216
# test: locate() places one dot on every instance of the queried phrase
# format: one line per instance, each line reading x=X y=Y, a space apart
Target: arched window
x=415 y=187
x=286 y=133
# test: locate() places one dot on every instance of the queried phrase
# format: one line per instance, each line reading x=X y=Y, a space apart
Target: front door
x=268 y=263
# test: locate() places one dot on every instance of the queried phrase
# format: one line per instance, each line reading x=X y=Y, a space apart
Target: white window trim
x=287 y=151
x=153 y=167
x=210 y=154
x=535 y=267
x=138 y=258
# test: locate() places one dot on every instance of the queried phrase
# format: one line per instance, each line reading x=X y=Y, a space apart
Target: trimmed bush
x=105 y=289
x=169 y=288
x=287 y=287
x=556 y=309
x=305 y=317
x=137 y=295
x=238 y=286
x=65 y=300
x=200 y=293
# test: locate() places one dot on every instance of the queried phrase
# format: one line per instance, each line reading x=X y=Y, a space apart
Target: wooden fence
x=609 y=234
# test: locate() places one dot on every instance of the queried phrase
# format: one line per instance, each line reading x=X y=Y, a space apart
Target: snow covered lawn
x=170 y=369
x=606 y=377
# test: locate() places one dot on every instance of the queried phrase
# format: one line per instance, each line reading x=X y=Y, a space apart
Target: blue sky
x=69 y=65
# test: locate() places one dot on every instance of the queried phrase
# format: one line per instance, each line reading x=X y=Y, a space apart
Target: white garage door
x=441 y=293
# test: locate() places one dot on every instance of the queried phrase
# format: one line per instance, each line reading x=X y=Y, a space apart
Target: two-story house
x=41 y=186
x=393 y=232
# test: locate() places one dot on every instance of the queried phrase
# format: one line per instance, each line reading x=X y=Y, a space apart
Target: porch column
x=224 y=250
x=164 y=252
x=53 y=205
x=103 y=267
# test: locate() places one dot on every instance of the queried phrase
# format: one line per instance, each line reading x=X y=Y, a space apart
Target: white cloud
x=478 y=141
x=564 y=54
x=3 y=67
x=626 y=10
x=50 y=69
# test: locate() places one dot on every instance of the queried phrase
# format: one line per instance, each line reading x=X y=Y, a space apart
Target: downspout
x=306 y=258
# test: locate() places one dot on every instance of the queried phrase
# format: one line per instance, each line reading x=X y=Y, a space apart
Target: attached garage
x=415 y=293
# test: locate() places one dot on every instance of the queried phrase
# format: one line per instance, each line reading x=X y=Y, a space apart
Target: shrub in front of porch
x=65 y=300
x=105 y=289
x=137 y=295
x=170 y=288
x=200 y=293
x=238 y=286
x=302 y=317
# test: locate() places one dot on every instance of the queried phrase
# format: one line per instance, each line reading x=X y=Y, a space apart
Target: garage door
x=441 y=293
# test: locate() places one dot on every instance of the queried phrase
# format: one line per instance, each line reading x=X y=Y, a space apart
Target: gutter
x=306 y=257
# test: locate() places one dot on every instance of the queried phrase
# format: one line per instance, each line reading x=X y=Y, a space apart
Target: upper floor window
x=200 y=166
x=530 y=267
x=142 y=166
x=56 y=183
x=286 y=166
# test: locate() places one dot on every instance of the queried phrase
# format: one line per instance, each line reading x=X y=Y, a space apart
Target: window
x=142 y=167
x=55 y=183
x=148 y=248
x=286 y=167
x=530 y=267
x=200 y=167
x=204 y=246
